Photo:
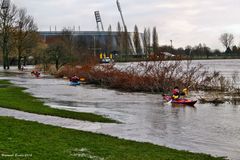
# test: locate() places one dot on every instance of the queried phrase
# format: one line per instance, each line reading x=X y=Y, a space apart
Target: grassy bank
x=35 y=141
x=13 y=97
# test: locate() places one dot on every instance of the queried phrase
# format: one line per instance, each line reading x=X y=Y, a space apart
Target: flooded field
x=145 y=117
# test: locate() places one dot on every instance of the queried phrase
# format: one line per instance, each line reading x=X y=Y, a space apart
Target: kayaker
x=35 y=73
x=74 y=79
x=175 y=93
x=185 y=92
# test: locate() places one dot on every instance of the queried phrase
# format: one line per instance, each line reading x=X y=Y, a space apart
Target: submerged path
x=52 y=120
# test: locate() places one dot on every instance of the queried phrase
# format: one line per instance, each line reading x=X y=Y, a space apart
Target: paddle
x=169 y=101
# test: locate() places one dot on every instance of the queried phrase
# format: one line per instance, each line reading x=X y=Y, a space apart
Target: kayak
x=36 y=74
x=74 y=83
x=179 y=100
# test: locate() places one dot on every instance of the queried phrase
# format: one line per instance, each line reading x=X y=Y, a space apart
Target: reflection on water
x=204 y=128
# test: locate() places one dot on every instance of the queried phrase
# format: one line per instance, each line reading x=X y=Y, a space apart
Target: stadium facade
x=91 y=39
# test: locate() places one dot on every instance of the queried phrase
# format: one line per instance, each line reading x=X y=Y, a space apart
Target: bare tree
x=68 y=42
x=25 y=34
x=147 y=40
x=8 y=13
x=136 y=40
x=227 y=40
x=126 y=41
x=109 y=44
x=56 y=53
x=38 y=51
x=155 y=44
x=119 y=37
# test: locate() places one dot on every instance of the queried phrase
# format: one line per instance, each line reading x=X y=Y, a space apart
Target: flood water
x=145 y=117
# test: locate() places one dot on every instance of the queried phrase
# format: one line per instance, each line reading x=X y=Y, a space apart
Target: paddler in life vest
x=35 y=73
x=175 y=93
x=185 y=92
x=74 y=79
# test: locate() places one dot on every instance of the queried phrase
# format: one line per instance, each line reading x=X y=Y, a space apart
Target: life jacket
x=74 y=79
x=175 y=92
x=185 y=91
x=175 y=96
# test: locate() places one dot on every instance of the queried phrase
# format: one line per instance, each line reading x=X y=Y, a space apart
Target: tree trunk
x=57 y=64
x=4 y=61
x=8 y=65
x=24 y=61
x=19 y=60
x=35 y=61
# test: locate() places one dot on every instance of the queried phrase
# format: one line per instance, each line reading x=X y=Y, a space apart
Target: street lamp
x=171 y=46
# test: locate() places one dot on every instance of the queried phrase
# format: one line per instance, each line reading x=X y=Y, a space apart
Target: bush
x=154 y=76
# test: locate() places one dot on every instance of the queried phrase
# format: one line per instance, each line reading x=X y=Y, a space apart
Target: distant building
x=90 y=39
x=87 y=37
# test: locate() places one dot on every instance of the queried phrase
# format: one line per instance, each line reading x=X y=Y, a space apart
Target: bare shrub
x=154 y=76
x=151 y=76
x=216 y=81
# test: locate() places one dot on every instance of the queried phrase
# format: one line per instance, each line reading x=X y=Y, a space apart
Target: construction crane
x=98 y=20
x=125 y=27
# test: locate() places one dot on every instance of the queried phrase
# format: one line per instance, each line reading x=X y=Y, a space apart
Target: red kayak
x=179 y=100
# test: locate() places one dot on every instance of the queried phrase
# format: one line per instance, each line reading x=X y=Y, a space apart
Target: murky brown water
x=205 y=128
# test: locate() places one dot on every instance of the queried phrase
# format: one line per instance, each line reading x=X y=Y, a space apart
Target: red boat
x=179 y=100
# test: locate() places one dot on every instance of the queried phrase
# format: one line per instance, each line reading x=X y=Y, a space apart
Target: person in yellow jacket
x=185 y=91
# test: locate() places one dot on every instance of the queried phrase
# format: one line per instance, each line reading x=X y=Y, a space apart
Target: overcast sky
x=186 y=22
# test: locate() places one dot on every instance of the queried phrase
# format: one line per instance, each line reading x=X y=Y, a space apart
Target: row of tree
x=203 y=51
x=137 y=43
x=20 y=41
x=227 y=40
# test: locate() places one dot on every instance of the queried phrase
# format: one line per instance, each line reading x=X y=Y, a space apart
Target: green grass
x=43 y=142
x=13 y=97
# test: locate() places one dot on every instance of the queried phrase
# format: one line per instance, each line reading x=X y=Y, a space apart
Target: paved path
x=51 y=120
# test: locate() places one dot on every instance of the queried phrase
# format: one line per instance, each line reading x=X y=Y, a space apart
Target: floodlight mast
x=98 y=20
x=120 y=10
x=125 y=27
